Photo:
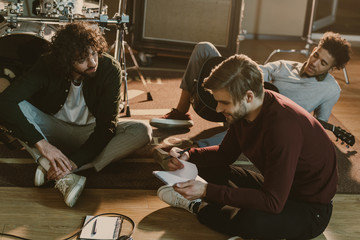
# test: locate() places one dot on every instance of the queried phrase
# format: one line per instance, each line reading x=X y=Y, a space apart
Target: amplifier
x=173 y=27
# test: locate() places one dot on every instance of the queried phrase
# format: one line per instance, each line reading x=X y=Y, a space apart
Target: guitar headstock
x=344 y=136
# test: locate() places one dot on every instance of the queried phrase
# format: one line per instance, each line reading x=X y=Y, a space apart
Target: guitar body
x=203 y=101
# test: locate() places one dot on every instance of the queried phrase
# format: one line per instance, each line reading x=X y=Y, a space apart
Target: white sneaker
x=71 y=187
x=167 y=194
x=40 y=176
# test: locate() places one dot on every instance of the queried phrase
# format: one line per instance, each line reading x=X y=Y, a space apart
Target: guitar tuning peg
x=347 y=146
x=342 y=143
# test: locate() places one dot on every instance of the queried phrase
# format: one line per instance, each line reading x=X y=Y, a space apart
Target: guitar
x=339 y=133
x=204 y=103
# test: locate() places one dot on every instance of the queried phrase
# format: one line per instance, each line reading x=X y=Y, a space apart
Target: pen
x=93 y=231
x=181 y=153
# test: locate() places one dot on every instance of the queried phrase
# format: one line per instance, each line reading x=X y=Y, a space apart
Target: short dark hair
x=237 y=74
x=338 y=47
x=71 y=43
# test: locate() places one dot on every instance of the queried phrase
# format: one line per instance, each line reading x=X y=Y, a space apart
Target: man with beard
x=308 y=84
x=291 y=196
x=64 y=110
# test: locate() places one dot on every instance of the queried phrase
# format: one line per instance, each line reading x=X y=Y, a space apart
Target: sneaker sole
x=40 y=178
x=73 y=196
x=171 y=123
x=160 y=191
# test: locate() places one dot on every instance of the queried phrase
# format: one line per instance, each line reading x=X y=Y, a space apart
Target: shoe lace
x=180 y=201
x=62 y=184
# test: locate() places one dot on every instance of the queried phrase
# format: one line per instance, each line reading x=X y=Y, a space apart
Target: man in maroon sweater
x=291 y=196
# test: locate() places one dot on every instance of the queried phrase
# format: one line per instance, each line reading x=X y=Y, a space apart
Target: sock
x=194 y=206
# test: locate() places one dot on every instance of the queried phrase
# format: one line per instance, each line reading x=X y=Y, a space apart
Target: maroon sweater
x=288 y=146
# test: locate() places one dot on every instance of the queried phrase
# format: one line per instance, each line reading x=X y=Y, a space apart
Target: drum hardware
x=69 y=9
x=120 y=44
x=14 y=8
x=119 y=20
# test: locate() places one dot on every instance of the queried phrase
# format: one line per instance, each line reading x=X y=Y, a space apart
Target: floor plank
x=40 y=213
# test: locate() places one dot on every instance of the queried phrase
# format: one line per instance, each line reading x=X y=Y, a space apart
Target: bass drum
x=22 y=46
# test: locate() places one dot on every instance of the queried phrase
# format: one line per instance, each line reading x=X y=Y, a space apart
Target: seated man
x=309 y=84
x=291 y=197
x=65 y=108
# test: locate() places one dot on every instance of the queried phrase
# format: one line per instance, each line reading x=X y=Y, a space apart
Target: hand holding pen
x=175 y=154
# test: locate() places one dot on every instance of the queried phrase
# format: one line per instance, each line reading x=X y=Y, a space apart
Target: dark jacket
x=47 y=90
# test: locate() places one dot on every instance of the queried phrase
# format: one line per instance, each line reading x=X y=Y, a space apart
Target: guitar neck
x=339 y=133
x=327 y=125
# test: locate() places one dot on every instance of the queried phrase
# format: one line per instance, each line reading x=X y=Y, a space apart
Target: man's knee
x=206 y=49
x=140 y=130
x=144 y=130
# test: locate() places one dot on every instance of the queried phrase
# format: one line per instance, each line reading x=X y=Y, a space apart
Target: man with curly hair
x=309 y=84
x=64 y=110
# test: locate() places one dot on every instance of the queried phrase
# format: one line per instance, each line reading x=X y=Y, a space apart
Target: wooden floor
x=40 y=213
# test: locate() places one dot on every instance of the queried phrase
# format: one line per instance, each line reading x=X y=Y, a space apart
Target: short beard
x=239 y=114
x=84 y=74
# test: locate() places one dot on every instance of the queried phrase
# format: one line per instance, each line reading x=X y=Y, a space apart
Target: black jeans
x=298 y=220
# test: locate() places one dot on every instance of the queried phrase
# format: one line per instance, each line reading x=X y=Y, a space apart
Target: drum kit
x=27 y=26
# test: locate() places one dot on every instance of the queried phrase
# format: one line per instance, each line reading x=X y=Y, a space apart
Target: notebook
x=102 y=227
x=188 y=172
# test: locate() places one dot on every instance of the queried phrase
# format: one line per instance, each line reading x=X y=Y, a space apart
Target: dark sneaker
x=40 y=176
x=173 y=119
x=167 y=194
x=71 y=187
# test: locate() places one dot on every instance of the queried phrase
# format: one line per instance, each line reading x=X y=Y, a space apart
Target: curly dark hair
x=72 y=42
x=338 y=47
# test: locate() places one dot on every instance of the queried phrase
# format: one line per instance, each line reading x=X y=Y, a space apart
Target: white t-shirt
x=74 y=110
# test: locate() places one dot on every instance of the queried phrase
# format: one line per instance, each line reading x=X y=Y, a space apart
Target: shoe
x=40 y=176
x=167 y=194
x=159 y=156
x=173 y=119
x=71 y=187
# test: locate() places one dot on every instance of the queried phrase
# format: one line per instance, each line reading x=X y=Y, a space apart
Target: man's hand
x=54 y=155
x=191 y=189
x=53 y=174
x=174 y=163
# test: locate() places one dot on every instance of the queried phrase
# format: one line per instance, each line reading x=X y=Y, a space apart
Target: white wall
x=274 y=17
